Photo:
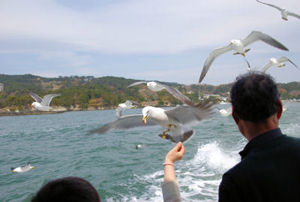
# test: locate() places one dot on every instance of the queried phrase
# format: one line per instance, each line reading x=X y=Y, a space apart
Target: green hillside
x=87 y=92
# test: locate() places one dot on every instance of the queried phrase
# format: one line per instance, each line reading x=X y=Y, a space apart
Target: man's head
x=67 y=189
x=254 y=97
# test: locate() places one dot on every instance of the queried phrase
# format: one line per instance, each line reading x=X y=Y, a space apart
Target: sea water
x=59 y=145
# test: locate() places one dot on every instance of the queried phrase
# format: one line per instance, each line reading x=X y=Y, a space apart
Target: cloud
x=160 y=39
x=134 y=26
x=66 y=58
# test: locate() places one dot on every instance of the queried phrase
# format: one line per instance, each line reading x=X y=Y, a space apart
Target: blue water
x=58 y=145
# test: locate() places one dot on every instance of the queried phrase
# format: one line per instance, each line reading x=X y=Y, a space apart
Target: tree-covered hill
x=84 y=92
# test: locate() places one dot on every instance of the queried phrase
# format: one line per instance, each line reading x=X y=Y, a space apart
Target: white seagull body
x=225 y=112
x=22 y=169
x=156 y=86
x=177 y=121
x=239 y=46
x=284 y=12
x=42 y=104
x=284 y=108
x=123 y=106
x=277 y=62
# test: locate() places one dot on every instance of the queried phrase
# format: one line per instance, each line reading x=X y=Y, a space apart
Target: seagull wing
x=270 y=5
x=212 y=56
x=35 y=97
x=229 y=110
x=178 y=95
x=266 y=67
x=47 y=99
x=124 y=122
x=293 y=14
x=256 y=35
x=128 y=103
x=136 y=83
x=119 y=112
x=285 y=59
x=188 y=114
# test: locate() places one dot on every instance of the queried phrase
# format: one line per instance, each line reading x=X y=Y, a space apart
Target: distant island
x=90 y=93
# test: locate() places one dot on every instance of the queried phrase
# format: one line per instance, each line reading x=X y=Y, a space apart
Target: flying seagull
x=156 y=86
x=176 y=122
x=284 y=107
x=277 y=62
x=122 y=106
x=284 y=12
x=22 y=169
x=240 y=47
x=225 y=112
x=42 y=104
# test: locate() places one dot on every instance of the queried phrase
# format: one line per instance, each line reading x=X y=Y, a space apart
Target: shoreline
x=35 y=112
x=29 y=113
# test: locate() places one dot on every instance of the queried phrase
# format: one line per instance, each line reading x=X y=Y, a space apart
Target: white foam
x=214 y=157
x=198 y=178
x=291 y=129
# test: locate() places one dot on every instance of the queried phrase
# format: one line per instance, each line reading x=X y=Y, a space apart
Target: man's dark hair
x=254 y=97
x=67 y=189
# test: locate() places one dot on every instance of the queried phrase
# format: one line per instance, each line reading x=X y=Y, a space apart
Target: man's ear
x=235 y=116
x=279 y=109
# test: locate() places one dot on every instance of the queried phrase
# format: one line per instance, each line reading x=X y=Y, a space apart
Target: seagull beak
x=33 y=167
x=145 y=119
x=243 y=54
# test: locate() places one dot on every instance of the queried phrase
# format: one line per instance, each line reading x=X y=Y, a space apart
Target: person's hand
x=175 y=154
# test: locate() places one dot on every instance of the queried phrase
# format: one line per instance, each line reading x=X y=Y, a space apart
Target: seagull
x=156 y=86
x=138 y=146
x=22 y=169
x=239 y=47
x=225 y=112
x=122 y=106
x=176 y=122
x=42 y=104
x=277 y=62
x=284 y=12
x=284 y=108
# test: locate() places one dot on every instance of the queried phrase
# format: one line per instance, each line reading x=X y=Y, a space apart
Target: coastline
x=6 y=112
x=29 y=113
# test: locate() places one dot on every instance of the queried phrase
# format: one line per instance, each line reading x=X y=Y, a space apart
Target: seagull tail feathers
x=187 y=135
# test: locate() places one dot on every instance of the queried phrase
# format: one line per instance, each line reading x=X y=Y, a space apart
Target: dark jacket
x=269 y=170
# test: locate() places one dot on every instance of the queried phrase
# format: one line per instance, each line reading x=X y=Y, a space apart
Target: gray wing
x=256 y=35
x=35 y=97
x=128 y=103
x=178 y=95
x=188 y=114
x=212 y=56
x=285 y=59
x=266 y=67
x=124 y=122
x=280 y=9
x=47 y=99
x=229 y=109
x=136 y=83
x=119 y=112
x=293 y=14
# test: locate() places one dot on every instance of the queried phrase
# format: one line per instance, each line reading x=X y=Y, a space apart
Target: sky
x=164 y=40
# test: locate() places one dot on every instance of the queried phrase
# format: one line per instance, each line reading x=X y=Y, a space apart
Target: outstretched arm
x=174 y=155
x=170 y=187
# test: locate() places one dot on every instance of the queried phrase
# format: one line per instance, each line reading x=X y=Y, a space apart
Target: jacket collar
x=260 y=139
